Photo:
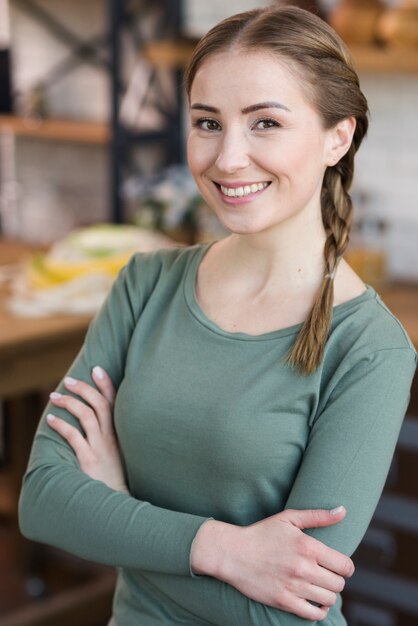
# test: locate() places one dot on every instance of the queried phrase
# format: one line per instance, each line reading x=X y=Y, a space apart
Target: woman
x=260 y=384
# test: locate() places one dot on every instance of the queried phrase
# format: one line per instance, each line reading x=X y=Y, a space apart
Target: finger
x=334 y=561
x=313 y=518
x=326 y=579
x=85 y=415
x=71 y=435
x=302 y=608
x=324 y=597
x=104 y=383
x=94 y=399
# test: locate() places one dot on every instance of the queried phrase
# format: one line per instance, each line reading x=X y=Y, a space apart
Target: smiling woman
x=254 y=387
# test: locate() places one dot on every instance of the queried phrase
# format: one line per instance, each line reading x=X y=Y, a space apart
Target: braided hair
x=322 y=63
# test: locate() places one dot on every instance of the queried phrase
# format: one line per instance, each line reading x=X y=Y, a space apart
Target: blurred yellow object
x=44 y=272
x=101 y=249
x=370 y=265
x=75 y=275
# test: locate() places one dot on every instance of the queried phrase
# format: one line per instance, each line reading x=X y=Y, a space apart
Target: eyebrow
x=249 y=109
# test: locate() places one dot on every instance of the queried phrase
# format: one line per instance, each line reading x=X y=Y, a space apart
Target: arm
x=59 y=504
x=346 y=462
x=278 y=582
x=352 y=443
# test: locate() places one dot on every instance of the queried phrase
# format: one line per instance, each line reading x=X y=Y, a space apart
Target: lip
x=242 y=199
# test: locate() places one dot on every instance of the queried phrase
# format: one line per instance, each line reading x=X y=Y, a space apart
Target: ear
x=339 y=140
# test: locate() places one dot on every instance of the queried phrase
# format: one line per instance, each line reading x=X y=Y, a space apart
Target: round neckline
x=189 y=290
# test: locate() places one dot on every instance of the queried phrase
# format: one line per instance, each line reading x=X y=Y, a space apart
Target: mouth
x=242 y=190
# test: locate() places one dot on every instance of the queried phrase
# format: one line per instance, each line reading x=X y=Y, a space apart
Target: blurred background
x=92 y=168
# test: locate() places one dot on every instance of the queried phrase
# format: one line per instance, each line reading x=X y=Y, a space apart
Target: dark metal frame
x=123 y=140
x=93 y=51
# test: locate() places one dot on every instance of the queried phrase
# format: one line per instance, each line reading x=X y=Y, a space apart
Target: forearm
x=216 y=602
x=62 y=507
x=238 y=558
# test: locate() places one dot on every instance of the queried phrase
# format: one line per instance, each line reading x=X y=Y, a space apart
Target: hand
x=274 y=562
x=98 y=452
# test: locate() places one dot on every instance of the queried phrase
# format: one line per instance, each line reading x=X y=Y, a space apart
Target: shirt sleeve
x=60 y=505
x=352 y=442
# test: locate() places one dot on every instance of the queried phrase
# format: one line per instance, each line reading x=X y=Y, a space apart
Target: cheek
x=201 y=154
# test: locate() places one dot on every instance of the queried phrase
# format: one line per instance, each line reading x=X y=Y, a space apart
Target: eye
x=265 y=123
x=206 y=123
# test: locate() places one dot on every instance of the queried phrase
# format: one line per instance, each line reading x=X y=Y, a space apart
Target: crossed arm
x=272 y=561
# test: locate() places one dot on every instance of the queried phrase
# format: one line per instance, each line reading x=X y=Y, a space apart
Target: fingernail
x=70 y=381
x=337 y=510
x=55 y=395
x=50 y=417
x=98 y=371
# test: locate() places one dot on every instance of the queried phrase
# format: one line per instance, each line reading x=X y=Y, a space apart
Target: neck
x=287 y=259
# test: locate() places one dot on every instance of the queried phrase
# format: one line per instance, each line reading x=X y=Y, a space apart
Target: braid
x=337 y=209
x=308 y=349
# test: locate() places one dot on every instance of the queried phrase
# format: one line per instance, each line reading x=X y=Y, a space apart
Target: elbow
x=32 y=507
x=27 y=512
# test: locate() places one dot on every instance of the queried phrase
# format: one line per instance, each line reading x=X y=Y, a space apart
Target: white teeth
x=238 y=192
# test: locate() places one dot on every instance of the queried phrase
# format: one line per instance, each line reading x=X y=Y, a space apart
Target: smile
x=246 y=190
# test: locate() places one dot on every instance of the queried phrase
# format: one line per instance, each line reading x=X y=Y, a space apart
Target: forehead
x=245 y=76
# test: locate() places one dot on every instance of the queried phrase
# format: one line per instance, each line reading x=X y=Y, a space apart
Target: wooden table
x=34 y=355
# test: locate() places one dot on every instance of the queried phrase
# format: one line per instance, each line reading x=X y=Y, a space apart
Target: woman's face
x=256 y=147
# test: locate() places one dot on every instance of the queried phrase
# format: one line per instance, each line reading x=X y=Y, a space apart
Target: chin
x=242 y=228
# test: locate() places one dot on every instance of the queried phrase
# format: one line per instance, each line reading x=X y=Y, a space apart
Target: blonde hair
x=323 y=63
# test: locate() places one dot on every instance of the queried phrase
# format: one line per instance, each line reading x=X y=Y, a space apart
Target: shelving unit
x=169 y=53
x=171 y=56
x=56 y=130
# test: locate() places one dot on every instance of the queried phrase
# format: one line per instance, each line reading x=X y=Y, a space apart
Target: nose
x=234 y=152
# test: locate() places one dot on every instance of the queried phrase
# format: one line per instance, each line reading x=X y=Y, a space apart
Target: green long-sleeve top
x=215 y=424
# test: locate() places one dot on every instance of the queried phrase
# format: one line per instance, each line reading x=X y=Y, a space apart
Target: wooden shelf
x=169 y=54
x=385 y=60
x=172 y=54
x=56 y=130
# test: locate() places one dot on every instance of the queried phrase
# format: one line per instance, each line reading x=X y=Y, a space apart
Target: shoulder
x=164 y=260
x=145 y=269
x=138 y=279
x=366 y=324
x=363 y=318
x=366 y=336
x=369 y=357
